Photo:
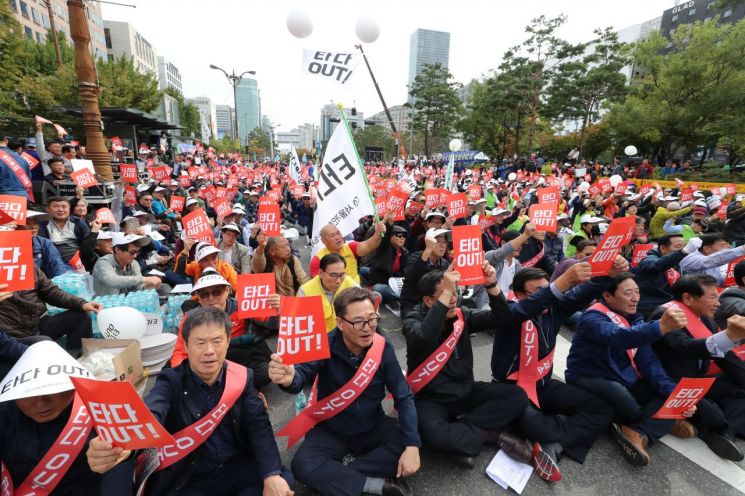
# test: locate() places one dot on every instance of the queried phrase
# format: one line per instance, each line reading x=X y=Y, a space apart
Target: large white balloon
x=583 y=186
x=630 y=150
x=367 y=29
x=512 y=176
x=456 y=144
x=121 y=323
x=615 y=180
x=299 y=24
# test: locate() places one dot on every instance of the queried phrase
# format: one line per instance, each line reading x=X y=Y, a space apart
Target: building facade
x=224 y=115
x=400 y=114
x=331 y=116
x=697 y=11
x=427 y=47
x=206 y=114
x=123 y=40
x=35 y=21
x=248 y=108
x=169 y=75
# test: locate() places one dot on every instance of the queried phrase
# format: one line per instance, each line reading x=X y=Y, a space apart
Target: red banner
x=269 y=219
x=543 y=216
x=619 y=233
x=474 y=192
x=253 y=295
x=457 y=205
x=130 y=195
x=177 y=203
x=685 y=396
x=159 y=173
x=119 y=415
x=302 y=330
x=13 y=209
x=222 y=208
x=16 y=260
x=84 y=178
x=197 y=226
x=380 y=205
x=468 y=255
x=209 y=193
x=485 y=222
x=432 y=198
x=30 y=160
x=730 y=280
x=640 y=253
x=686 y=195
x=396 y=203
x=128 y=173
x=548 y=195
x=105 y=216
x=76 y=263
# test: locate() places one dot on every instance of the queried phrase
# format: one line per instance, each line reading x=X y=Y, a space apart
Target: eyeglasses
x=360 y=324
x=335 y=275
x=134 y=251
x=217 y=291
x=400 y=235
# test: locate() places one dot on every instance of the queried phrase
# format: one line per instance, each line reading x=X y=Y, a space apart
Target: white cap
x=480 y=200
x=603 y=228
x=434 y=213
x=433 y=233
x=105 y=235
x=670 y=198
x=700 y=203
x=139 y=213
x=190 y=202
x=39 y=216
x=561 y=217
x=174 y=182
x=499 y=211
x=590 y=219
x=739 y=197
x=142 y=187
x=231 y=226
x=120 y=239
x=159 y=189
x=205 y=250
x=209 y=279
x=698 y=194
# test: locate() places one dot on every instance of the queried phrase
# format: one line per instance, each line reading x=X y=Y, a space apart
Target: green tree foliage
x=259 y=142
x=436 y=106
x=375 y=136
x=225 y=145
x=188 y=115
x=123 y=86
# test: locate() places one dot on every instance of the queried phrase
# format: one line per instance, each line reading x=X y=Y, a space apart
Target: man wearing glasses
x=384 y=449
x=331 y=280
x=119 y=272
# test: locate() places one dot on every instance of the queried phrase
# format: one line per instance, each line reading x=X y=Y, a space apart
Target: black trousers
x=723 y=408
x=238 y=477
x=450 y=427
x=75 y=324
x=256 y=358
x=571 y=416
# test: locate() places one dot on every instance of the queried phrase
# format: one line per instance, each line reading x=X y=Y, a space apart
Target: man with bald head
x=333 y=242
x=275 y=255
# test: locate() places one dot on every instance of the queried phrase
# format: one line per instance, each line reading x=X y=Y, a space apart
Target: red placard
x=594 y=190
x=621 y=188
x=130 y=195
x=13 y=209
x=543 y=216
x=30 y=160
x=468 y=255
x=640 y=253
x=686 y=395
x=253 y=295
x=177 y=203
x=302 y=330
x=128 y=173
x=269 y=219
x=457 y=205
x=274 y=194
x=84 y=178
x=380 y=205
x=396 y=203
x=722 y=212
x=619 y=233
x=76 y=263
x=297 y=191
x=209 y=193
x=549 y=195
x=730 y=280
x=686 y=195
x=119 y=415
x=105 y=216
x=16 y=260
x=485 y=222
x=474 y=192
x=222 y=192
x=432 y=198
x=159 y=173
x=731 y=189
x=605 y=186
x=645 y=189
x=222 y=208
x=197 y=226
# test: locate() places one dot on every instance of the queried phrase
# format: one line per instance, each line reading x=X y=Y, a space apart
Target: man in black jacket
x=456 y=413
x=421 y=262
x=732 y=300
x=658 y=271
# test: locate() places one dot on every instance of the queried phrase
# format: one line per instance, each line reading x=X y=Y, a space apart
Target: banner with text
x=619 y=233
x=468 y=254
x=253 y=295
x=302 y=330
x=331 y=66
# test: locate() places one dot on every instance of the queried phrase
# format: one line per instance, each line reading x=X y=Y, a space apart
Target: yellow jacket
x=314 y=288
x=348 y=255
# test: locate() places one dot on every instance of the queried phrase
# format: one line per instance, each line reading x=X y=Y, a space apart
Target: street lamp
x=234 y=80
x=271 y=139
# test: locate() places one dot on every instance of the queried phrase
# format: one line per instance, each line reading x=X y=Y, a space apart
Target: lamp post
x=234 y=81
x=271 y=139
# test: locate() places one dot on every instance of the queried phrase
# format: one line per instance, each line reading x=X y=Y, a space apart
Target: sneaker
x=545 y=465
x=515 y=447
x=396 y=487
x=632 y=444
x=722 y=445
x=683 y=429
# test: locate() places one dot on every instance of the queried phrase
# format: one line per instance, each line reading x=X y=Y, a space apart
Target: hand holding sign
x=103 y=456
x=684 y=397
x=302 y=330
x=256 y=294
x=280 y=373
x=619 y=233
x=105 y=216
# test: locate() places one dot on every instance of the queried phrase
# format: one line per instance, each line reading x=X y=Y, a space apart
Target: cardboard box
x=127 y=363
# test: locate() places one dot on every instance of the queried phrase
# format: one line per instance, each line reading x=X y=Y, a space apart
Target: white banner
x=342 y=194
x=449 y=173
x=294 y=165
x=333 y=66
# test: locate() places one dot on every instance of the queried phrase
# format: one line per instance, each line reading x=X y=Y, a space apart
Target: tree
x=124 y=86
x=436 y=105
x=258 y=141
x=188 y=115
x=226 y=144
x=375 y=136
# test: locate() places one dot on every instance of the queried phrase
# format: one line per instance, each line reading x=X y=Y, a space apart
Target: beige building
x=35 y=22
x=124 y=40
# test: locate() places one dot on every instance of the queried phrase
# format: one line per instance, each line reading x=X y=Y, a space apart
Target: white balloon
x=512 y=176
x=367 y=29
x=630 y=150
x=583 y=186
x=455 y=145
x=299 y=24
x=121 y=323
x=615 y=180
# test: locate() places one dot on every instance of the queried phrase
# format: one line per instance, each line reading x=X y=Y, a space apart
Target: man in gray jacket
x=504 y=260
x=231 y=251
x=119 y=272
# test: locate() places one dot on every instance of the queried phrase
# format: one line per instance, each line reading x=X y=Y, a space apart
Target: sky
x=252 y=35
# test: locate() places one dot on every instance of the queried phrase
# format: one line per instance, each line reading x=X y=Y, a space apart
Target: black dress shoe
x=396 y=487
x=464 y=461
x=723 y=446
x=517 y=448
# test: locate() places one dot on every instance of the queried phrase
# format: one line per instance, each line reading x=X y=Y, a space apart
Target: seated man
x=504 y=259
x=457 y=414
x=421 y=262
x=387 y=261
x=240 y=455
x=119 y=272
x=333 y=242
x=732 y=300
x=275 y=255
x=612 y=357
x=700 y=350
x=36 y=412
x=384 y=450
x=67 y=232
x=331 y=280
x=205 y=256
x=714 y=251
x=46 y=255
x=659 y=270
x=233 y=252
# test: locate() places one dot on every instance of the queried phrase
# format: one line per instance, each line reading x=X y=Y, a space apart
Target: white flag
x=294 y=165
x=333 y=66
x=449 y=172
x=342 y=194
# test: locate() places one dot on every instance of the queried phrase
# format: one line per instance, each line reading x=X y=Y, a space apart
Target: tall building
x=35 y=22
x=400 y=114
x=690 y=12
x=427 y=47
x=266 y=123
x=124 y=40
x=168 y=109
x=633 y=34
x=207 y=114
x=168 y=75
x=307 y=135
x=248 y=107
x=224 y=115
x=331 y=117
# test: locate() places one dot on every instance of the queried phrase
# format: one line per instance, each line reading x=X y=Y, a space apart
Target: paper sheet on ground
x=507 y=471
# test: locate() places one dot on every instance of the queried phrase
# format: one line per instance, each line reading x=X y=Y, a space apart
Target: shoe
x=545 y=465
x=517 y=448
x=683 y=429
x=394 y=307
x=396 y=487
x=722 y=445
x=463 y=461
x=632 y=444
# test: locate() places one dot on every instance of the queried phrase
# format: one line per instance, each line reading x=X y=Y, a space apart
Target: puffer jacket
x=731 y=302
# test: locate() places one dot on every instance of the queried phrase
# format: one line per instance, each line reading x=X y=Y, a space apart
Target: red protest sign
x=197 y=226
x=128 y=173
x=594 y=190
x=468 y=255
x=302 y=330
x=474 y=192
x=297 y=191
x=432 y=198
x=485 y=222
x=380 y=205
x=548 y=195
x=543 y=217
x=730 y=279
x=275 y=195
x=604 y=185
x=13 y=209
x=119 y=414
x=265 y=200
x=159 y=173
x=253 y=295
x=76 y=263
x=184 y=181
x=457 y=205
x=222 y=192
x=619 y=233
x=686 y=195
x=621 y=188
x=222 y=208
x=731 y=189
x=130 y=195
x=84 y=178
x=105 y=216
x=685 y=396
x=209 y=193
x=640 y=253
x=269 y=219
x=30 y=159
x=396 y=203
x=16 y=260
x=177 y=203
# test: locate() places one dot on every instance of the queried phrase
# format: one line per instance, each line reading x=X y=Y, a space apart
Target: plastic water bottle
x=300 y=401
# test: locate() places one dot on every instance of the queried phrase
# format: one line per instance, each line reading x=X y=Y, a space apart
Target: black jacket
x=731 y=302
x=650 y=276
x=381 y=263
x=414 y=269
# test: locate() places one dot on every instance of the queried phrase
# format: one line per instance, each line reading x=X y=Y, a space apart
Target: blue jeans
x=386 y=292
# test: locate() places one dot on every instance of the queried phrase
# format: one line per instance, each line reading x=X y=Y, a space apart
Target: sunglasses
x=400 y=235
x=214 y=293
x=133 y=251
